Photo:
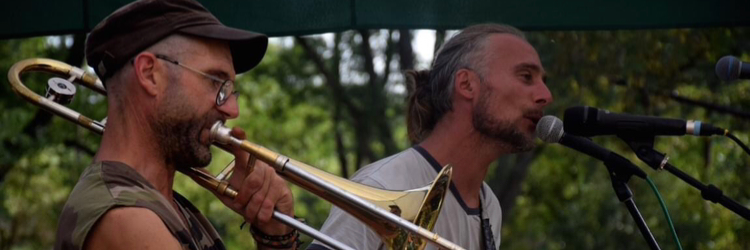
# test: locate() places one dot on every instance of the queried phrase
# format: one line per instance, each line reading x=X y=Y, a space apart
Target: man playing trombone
x=481 y=99
x=169 y=69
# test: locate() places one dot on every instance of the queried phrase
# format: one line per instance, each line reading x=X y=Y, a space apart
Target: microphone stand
x=718 y=108
x=675 y=95
x=643 y=146
x=620 y=171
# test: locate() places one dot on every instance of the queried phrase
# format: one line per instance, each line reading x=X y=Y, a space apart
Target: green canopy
x=24 y=18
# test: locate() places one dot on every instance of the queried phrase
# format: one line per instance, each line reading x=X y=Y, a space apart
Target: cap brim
x=248 y=48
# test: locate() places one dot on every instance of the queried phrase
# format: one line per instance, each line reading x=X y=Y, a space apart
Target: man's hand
x=260 y=191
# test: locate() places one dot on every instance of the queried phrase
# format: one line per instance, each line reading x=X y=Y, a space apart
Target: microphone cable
x=666 y=212
x=737 y=140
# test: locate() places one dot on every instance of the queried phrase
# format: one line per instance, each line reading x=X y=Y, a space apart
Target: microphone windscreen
x=549 y=129
x=728 y=68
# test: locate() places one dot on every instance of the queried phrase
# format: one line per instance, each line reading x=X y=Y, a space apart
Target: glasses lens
x=224 y=92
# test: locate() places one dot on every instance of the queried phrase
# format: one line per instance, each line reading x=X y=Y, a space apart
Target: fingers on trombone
x=278 y=197
x=238 y=133
x=251 y=185
x=256 y=201
x=241 y=169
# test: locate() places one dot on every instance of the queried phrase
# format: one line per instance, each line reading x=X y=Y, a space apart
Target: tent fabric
x=24 y=18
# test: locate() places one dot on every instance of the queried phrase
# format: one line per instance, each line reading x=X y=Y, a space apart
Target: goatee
x=178 y=131
x=503 y=132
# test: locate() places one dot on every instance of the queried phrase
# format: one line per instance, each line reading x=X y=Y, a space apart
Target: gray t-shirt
x=409 y=169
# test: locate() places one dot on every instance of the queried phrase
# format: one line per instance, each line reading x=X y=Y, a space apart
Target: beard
x=503 y=132
x=178 y=129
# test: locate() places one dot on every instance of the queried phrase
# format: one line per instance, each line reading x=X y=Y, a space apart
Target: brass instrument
x=392 y=214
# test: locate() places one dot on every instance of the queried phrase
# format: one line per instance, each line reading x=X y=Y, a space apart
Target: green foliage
x=37 y=169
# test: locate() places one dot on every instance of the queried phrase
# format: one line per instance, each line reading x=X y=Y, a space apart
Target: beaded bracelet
x=275 y=241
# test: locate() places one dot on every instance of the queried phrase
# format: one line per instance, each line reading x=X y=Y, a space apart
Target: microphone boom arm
x=643 y=147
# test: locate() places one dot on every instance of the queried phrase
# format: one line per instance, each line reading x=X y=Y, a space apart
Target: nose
x=543 y=96
x=230 y=109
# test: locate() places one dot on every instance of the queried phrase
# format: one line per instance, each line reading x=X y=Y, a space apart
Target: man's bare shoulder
x=130 y=228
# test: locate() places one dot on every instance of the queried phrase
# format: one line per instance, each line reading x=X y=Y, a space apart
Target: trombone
x=403 y=219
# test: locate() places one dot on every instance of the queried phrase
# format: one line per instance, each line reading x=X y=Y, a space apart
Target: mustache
x=534 y=113
x=213 y=118
x=199 y=124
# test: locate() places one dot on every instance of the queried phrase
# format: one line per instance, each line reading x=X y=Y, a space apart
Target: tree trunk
x=439 y=40
x=405 y=50
x=511 y=173
x=376 y=99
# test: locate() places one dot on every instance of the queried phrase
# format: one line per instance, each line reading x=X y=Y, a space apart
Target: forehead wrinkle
x=531 y=66
x=499 y=47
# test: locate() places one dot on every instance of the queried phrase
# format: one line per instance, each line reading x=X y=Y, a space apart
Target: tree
x=365 y=104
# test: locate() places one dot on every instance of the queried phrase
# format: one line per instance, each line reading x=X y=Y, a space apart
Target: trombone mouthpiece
x=220 y=133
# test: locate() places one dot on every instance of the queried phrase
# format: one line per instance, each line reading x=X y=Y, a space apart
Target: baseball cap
x=138 y=25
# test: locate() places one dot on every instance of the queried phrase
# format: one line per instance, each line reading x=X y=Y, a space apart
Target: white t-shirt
x=409 y=169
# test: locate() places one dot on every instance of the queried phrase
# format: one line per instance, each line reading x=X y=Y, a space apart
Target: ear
x=147 y=72
x=466 y=84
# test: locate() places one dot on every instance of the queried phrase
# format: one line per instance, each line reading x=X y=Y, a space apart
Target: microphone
x=550 y=129
x=730 y=68
x=589 y=121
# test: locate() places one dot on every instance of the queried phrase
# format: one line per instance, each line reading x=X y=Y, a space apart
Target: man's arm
x=130 y=228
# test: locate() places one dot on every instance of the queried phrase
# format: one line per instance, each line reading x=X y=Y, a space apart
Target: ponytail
x=420 y=118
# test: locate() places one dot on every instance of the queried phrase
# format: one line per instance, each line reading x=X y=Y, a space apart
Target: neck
x=465 y=149
x=128 y=139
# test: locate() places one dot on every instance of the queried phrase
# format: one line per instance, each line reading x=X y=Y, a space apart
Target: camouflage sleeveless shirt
x=107 y=185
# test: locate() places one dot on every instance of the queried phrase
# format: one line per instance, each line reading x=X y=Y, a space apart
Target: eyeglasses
x=225 y=91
